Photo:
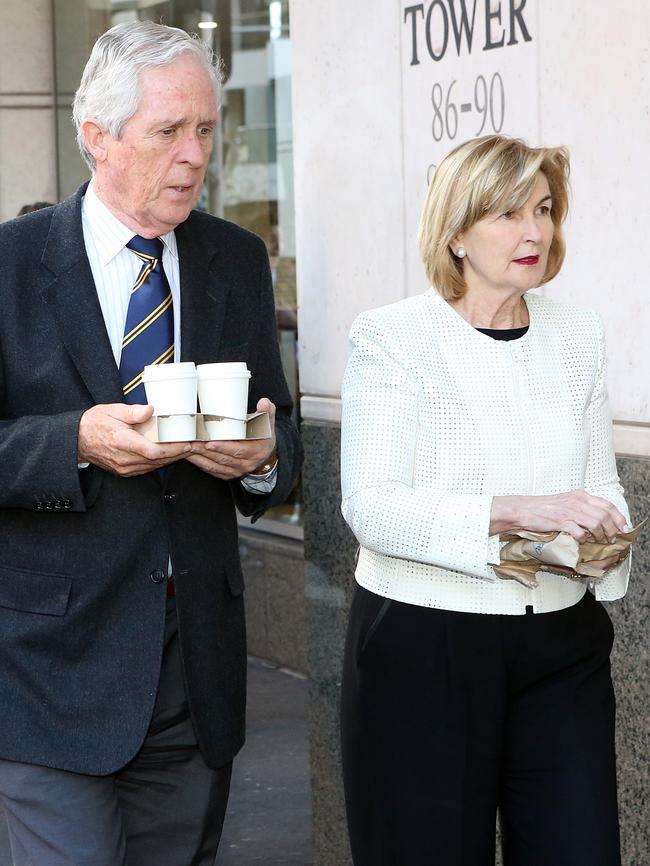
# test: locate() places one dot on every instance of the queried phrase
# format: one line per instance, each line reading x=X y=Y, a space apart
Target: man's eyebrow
x=163 y=123
x=179 y=121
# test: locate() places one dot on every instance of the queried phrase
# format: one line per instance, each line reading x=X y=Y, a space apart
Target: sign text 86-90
x=488 y=102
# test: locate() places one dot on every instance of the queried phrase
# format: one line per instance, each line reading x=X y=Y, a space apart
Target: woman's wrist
x=505 y=514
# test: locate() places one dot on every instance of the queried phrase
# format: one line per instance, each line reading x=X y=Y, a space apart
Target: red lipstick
x=527 y=260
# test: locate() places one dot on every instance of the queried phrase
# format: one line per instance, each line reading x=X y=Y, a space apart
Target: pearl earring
x=461 y=252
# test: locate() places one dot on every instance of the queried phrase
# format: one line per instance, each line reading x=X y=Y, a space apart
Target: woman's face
x=508 y=252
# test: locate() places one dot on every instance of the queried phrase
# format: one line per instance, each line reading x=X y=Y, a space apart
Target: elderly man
x=123 y=688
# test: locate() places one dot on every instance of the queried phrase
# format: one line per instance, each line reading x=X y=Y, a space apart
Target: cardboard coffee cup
x=224 y=428
x=223 y=395
x=172 y=390
x=176 y=428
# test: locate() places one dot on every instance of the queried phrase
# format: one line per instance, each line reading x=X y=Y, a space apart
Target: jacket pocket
x=34 y=591
x=375 y=623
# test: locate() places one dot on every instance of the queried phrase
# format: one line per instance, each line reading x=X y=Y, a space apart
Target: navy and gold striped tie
x=149 y=329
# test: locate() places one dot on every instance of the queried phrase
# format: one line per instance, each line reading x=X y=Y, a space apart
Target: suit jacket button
x=67 y=503
x=157 y=575
x=169 y=496
x=48 y=506
x=38 y=506
x=58 y=505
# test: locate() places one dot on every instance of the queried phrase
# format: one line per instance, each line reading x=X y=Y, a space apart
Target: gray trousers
x=165 y=808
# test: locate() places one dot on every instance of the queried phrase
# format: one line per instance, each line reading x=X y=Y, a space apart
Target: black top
x=504 y=333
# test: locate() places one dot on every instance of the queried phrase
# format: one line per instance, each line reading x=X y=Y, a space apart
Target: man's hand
x=107 y=439
x=230 y=460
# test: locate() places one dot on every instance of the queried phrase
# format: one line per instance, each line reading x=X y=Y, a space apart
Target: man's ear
x=96 y=139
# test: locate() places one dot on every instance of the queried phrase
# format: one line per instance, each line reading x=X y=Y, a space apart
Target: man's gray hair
x=109 y=92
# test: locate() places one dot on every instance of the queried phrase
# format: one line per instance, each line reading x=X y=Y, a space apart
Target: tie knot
x=146 y=246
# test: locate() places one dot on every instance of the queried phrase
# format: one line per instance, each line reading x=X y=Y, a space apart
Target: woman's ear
x=457 y=248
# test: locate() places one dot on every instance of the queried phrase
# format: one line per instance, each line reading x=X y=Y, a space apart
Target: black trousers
x=447 y=717
x=165 y=808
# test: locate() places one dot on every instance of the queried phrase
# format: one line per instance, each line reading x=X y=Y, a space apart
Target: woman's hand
x=575 y=512
x=609 y=562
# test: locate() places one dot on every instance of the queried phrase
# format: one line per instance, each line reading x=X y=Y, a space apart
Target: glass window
x=250 y=176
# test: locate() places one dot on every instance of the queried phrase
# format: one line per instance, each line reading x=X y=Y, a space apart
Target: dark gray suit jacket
x=83 y=555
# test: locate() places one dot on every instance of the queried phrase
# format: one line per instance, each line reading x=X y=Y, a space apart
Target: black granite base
x=330 y=553
x=329 y=580
x=630 y=670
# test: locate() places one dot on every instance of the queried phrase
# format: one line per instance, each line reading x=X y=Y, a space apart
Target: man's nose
x=193 y=151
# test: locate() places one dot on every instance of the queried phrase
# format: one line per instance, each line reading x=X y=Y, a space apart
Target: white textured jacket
x=438 y=418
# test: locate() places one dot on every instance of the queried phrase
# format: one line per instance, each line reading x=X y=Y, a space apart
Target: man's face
x=150 y=177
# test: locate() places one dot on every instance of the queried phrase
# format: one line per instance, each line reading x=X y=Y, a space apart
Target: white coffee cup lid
x=182 y=370
x=225 y=370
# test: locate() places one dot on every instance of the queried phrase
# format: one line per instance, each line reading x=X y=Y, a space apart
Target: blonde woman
x=470 y=410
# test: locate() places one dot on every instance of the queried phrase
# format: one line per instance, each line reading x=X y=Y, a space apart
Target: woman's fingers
x=576 y=512
x=609 y=562
x=593 y=513
x=603 y=519
x=574 y=529
x=597 y=521
x=576 y=508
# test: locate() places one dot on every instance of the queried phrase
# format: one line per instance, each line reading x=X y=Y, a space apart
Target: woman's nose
x=532 y=229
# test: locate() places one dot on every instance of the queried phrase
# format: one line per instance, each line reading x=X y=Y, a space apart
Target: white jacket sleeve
x=601 y=476
x=379 y=431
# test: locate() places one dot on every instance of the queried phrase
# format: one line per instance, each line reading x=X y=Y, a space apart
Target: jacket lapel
x=203 y=296
x=203 y=301
x=72 y=299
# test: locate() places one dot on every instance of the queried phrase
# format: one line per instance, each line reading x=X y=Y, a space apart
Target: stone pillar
x=27 y=137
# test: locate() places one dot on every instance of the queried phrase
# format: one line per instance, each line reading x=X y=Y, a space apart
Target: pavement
x=269 y=812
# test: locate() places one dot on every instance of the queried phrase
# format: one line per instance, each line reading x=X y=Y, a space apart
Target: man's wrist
x=261 y=485
x=267 y=466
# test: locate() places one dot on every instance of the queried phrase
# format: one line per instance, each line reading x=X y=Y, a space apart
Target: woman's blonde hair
x=488 y=175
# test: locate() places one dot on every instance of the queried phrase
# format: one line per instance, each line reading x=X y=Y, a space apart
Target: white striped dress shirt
x=115 y=269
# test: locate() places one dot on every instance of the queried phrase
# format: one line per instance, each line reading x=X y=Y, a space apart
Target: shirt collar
x=109 y=234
